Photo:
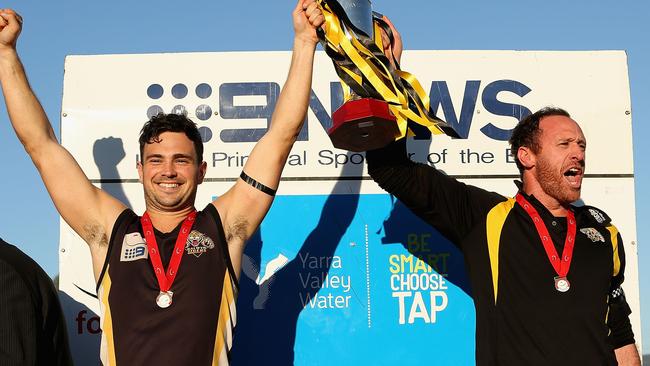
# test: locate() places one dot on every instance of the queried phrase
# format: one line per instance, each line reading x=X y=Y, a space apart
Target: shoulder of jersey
x=595 y=214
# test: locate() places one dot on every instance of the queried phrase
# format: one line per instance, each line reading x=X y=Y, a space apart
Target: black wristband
x=256 y=184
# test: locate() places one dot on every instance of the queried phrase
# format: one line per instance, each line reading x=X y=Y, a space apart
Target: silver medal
x=562 y=284
x=164 y=299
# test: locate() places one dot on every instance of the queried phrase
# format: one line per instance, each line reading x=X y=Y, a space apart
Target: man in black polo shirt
x=546 y=275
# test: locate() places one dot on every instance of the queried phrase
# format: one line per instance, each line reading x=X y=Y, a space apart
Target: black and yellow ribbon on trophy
x=380 y=98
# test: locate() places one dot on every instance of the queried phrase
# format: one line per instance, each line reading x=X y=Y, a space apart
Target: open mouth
x=574 y=175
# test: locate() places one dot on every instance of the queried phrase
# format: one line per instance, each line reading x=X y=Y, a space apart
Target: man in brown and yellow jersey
x=167 y=281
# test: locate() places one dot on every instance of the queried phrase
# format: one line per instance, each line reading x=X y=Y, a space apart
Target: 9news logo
x=179 y=91
x=459 y=113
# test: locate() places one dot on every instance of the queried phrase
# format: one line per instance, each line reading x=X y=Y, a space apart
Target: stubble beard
x=163 y=203
x=554 y=184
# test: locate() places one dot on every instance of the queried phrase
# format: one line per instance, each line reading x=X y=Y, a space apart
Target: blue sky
x=53 y=30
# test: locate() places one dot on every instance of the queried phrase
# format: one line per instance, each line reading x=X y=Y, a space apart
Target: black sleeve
x=618 y=319
x=18 y=325
x=452 y=207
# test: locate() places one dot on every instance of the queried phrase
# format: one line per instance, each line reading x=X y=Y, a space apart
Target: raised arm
x=450 y=206
x=89 y=211
x=243 y=207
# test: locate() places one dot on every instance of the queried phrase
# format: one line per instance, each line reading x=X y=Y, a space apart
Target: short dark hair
x=162 y=122
x=526 y=133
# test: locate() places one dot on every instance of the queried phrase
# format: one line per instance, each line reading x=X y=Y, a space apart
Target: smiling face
x=170 y=173
x=557 y=168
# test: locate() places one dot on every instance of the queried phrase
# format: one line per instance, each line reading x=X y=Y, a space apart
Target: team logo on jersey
x=198 y=243
x=593 y=234
x=133 y=248
x=597 y=215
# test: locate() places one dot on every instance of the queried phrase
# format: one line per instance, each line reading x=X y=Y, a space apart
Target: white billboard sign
x=231 y=97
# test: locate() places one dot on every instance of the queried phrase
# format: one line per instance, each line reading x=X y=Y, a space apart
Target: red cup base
x=362 y=125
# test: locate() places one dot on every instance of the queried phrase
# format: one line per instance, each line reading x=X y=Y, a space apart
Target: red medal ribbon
x=561 y=265
x=166 y=278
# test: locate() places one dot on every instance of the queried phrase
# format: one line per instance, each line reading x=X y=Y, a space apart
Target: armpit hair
x=237 y=230
x=94 y=234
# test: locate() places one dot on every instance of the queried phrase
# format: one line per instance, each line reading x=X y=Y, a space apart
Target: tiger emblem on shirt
x=198 y=243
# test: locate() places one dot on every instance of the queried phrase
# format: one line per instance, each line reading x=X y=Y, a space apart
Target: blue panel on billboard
x=351 y=279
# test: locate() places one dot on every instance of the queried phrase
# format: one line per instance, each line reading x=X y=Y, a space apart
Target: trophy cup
x=380 y=99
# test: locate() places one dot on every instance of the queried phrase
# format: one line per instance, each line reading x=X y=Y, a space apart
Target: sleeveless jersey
x=197 y=328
